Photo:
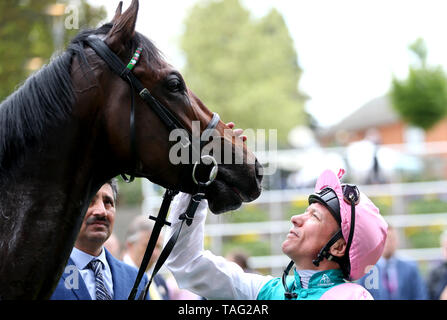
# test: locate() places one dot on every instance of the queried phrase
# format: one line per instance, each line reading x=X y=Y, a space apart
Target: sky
x=349 y=50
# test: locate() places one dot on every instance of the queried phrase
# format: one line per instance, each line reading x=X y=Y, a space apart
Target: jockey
x=339 y=236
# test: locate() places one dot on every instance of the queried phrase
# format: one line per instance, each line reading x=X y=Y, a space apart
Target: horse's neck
x=41 y=202
x=52 y=174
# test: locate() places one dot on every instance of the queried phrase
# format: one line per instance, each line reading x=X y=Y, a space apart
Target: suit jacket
x=437 y=280
x=410 y=284
x=71 y=286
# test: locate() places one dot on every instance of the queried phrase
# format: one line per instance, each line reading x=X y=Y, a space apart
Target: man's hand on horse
x=237 y=132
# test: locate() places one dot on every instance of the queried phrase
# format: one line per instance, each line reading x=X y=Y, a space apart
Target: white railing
x=398 y=221
x=282 y=227
x=279 y=228
x=280 y=261
x=373 y=190
x=219 y=230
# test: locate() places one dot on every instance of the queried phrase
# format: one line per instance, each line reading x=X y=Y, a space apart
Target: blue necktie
x=101 y=291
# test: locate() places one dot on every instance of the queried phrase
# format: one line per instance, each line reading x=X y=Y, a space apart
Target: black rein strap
x=159 y=222
x=187 y=217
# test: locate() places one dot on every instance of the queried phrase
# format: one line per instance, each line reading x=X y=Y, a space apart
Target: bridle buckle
x=213 y=171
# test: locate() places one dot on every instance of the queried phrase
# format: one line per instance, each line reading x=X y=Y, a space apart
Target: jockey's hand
x=237 y=132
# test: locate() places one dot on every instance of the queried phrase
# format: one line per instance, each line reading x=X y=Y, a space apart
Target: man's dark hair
x=114 y=185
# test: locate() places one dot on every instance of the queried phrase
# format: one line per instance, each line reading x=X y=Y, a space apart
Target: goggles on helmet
x=329 y=199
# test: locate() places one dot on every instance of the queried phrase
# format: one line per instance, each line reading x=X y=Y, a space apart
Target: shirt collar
x=82 y=259
x=304 y=276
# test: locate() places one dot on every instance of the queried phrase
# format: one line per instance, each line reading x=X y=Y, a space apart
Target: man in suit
x=394 y=278
x=137 y=238
x=437 y=277
x=92 y=273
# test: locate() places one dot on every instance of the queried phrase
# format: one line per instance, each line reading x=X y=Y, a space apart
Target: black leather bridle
x=125 y=72
x=172 y=123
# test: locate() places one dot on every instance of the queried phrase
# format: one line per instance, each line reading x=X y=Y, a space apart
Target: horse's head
x=148 y=150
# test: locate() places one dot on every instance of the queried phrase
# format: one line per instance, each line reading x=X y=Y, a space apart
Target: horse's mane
x=43 y=100
x=46 y=98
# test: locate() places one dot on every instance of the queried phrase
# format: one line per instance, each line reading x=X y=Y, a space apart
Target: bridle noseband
x=172 y=123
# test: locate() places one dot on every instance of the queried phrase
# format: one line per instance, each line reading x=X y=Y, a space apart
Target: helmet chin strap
x=343 y=261
x=324 y=252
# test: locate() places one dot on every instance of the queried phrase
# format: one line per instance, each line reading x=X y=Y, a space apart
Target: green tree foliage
x=243 y=68
x=421 y=99
x=27 y=34
x=129 y=194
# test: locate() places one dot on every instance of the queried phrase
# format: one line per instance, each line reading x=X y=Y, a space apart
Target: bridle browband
x=172 y=123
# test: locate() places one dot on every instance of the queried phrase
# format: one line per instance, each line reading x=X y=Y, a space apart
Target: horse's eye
x=174 y=85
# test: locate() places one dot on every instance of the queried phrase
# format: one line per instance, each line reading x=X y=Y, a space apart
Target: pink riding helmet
x=370 y=229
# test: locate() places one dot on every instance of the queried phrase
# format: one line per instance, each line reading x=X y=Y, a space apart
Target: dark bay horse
x=66 y=131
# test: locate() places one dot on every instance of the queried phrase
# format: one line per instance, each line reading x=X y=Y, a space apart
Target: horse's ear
x=117 y=12
x=123 y=27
